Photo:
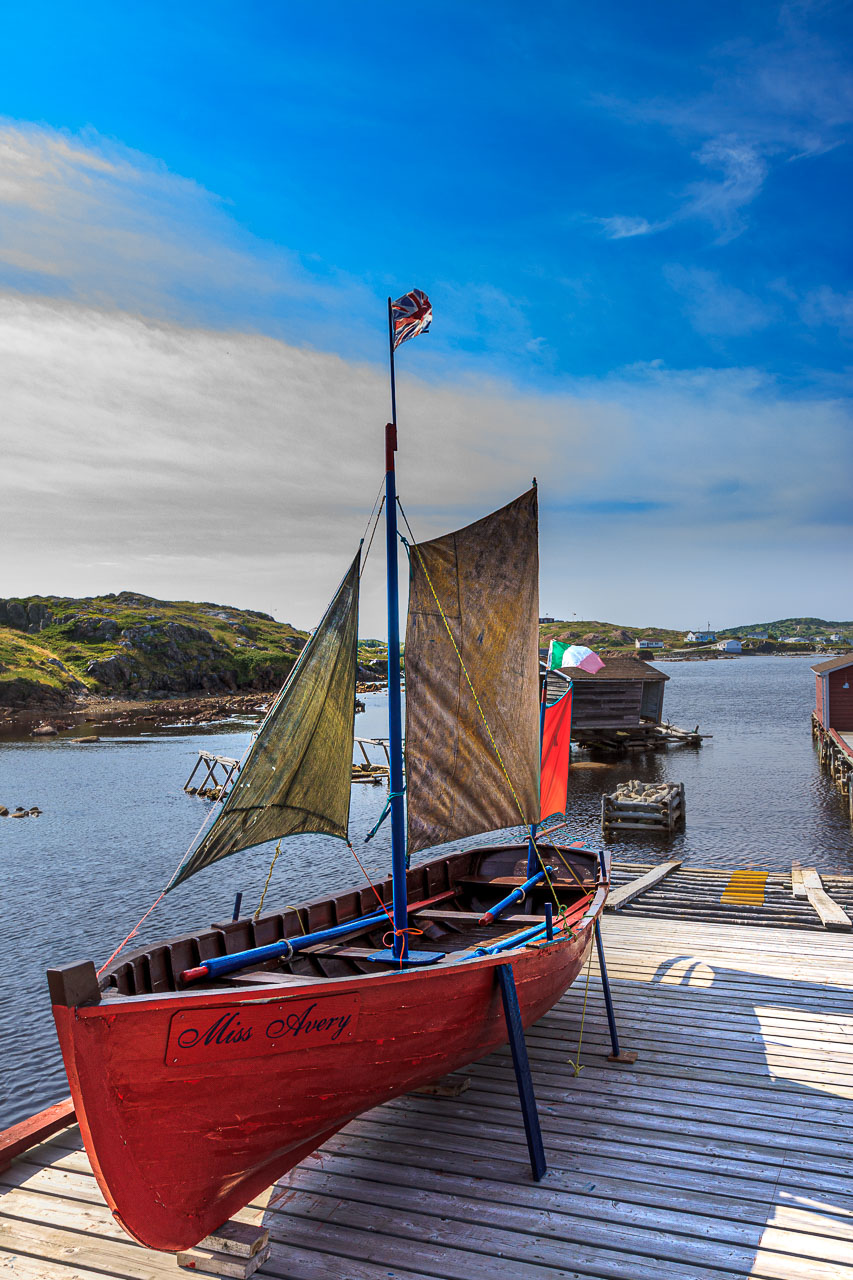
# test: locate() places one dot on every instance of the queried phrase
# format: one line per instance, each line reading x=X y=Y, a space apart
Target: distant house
x=757 y=635
x=648 y=644
x=701 y=637
x=836 y=637
x=730 y=646
x=543 y=620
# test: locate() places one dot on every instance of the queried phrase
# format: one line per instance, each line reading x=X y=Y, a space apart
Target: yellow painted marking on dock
x=745 y=887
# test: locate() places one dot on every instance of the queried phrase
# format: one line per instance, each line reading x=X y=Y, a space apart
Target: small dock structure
x=832 y=722
x=620 y=707
x=217 y=774
x=722 y=1153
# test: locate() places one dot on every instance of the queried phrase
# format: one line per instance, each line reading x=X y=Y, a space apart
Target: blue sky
x=633 y=223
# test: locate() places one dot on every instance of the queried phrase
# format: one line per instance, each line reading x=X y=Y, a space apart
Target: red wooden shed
x=834 y=693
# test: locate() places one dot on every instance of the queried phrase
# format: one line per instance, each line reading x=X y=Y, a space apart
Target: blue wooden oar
x=517 y=895
x=218 y=965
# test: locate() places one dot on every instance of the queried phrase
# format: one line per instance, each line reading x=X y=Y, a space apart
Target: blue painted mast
x=395 y=716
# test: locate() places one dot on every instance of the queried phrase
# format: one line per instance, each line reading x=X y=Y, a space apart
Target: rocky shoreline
x=97 y=711
x=153 y=713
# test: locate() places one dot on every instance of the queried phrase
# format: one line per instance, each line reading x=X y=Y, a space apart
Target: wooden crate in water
x=660 y=816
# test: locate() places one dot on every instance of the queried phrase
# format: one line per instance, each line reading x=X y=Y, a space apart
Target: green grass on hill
x=134 y=644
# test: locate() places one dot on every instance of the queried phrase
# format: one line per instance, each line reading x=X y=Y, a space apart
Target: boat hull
x=186 y=1117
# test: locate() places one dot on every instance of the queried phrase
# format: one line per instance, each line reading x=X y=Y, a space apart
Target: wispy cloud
x=716 y=308
x=90 y=220
x=165 y=413
x=756 y=105
x=622 y=227
x=723 y=201
x=826 y=306
x=238 y=467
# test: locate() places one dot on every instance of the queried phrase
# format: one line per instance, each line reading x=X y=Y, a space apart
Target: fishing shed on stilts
x=834 y=693
x=620 y=703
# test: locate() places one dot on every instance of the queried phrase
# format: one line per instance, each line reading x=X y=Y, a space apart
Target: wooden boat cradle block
x=210 y=1262
x=235 y=1249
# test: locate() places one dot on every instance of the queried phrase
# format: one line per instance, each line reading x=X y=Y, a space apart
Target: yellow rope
x=577 y=1065
x=269 y=877
x=524 y=821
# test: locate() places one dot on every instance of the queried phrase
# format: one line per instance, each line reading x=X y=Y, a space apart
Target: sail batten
x=297 y=775
x=469 y=768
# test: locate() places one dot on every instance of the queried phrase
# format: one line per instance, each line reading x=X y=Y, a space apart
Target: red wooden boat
x=186 y=1117
x=204 y=1067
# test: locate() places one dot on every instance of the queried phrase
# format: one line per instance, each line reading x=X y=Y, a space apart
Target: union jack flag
x=410 y=315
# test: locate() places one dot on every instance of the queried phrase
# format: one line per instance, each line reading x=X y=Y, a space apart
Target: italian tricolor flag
x=572 y=655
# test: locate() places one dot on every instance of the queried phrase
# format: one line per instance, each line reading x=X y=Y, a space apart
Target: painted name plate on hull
x=253 y=1030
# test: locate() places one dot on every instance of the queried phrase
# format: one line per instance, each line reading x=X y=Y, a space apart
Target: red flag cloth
x=556 y=737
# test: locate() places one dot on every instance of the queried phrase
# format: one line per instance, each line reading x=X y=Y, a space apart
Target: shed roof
x=619 y=668
x=832 y=664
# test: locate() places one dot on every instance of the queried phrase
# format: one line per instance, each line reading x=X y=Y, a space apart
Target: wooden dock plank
x=627 y=893
x=722 y=1153
x=832 y=916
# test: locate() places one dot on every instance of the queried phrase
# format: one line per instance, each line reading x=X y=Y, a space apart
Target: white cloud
x=153 y=439
x=715 y=308
x=88 y=219
x=721 y=202
x=621 y=227
x=238 y=468
x=754 y=105
x=828 y=306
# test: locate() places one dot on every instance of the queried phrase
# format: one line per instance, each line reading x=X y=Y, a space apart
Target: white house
x=730 y=646
x=701 y=637
x=648 y=644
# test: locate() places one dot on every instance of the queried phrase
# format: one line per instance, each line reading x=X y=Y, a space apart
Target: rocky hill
x=53 y=648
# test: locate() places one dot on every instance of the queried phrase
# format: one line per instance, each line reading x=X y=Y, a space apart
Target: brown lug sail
x=297 y=775
x=486 y=578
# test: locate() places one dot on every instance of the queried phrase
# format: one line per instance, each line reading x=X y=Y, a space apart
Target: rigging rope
x=392 y=795
x=267 y=881
x=527 y=826
x=577 y=1064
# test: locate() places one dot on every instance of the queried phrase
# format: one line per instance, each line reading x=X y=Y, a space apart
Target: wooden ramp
x=724 y=1152
x=670 y=891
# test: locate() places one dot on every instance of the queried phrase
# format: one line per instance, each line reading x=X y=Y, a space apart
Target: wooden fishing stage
x=724 y=1152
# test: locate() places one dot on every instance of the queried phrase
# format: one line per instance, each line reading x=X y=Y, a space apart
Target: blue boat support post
x=520 y=1061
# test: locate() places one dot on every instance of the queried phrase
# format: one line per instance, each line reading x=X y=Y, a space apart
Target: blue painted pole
x=549 y=922
x=257 y=955
x=523 y=1078
x=395 y=714
x=611 y=1018
x=517 y=894
x=531 y=846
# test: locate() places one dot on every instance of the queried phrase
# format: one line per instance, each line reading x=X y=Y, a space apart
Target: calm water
x=116 y=823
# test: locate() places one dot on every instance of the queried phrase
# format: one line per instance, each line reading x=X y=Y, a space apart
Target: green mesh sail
x=297 y=776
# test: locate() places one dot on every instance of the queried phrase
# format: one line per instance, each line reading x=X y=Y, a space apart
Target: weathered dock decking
x=672 y=891
x=724 y=1152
